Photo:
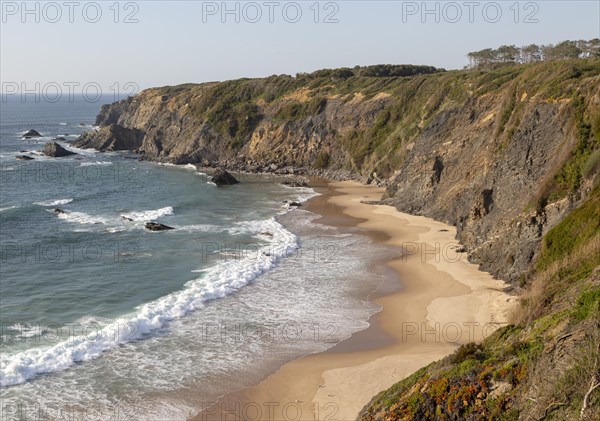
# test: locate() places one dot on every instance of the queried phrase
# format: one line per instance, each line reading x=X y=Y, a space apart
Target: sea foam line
x=218 y=281
x=54 y=202
x=148 y=215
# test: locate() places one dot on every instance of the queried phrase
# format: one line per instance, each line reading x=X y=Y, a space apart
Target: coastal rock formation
x=53 y=149
x=223 y=178
x=24 y=158
x=155 y=226
x=111 y=138
x=480 y=150
x=31 y=134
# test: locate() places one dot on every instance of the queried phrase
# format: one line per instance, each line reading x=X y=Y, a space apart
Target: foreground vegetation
x=546 y=365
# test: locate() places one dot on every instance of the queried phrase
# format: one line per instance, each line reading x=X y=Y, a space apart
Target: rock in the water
x=223 y=178
x=55 y=150
x=155 y=226
x=32 y=133
x=24 y=158
x=57 y=211
x=127 y=218
x=60 y=138
x=295 y=204
x=296 y=182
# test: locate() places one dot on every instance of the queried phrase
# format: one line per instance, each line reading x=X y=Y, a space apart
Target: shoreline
x=432 y=302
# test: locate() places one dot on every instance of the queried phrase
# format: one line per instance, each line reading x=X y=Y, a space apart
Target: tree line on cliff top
x=504 y=54
x=533 y=53
x=378 y=70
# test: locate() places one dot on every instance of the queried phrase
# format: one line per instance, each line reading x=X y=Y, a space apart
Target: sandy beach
x=438 y=302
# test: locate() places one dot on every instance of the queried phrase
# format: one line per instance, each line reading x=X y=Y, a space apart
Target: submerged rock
x=155 y=226
x=31 y=134
x=223 y=178
x=57 y=211
x=24 y=158
x=55 y=150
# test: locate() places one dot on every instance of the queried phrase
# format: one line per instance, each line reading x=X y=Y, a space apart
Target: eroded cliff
x=501 y=153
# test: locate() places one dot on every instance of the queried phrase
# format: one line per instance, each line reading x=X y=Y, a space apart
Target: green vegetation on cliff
x=544 y=365
x=532 y=53
x=234 y=109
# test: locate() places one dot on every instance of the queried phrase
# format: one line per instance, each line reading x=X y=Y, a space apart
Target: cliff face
x=463 y=169
x=492 y=152
x=175 y=130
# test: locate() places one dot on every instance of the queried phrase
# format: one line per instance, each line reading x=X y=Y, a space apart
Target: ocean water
x=102 y=319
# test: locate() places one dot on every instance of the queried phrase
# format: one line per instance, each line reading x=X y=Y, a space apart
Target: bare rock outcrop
x=111 y=138
x=54 y=150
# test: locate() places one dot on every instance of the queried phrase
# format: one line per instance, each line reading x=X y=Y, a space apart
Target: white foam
x=53 y=202
x=305 y=192
x=116 y=229
x=24 y=330
x=87 y=164
x=251 y=227
x=148 y=215
x=82 y=218
x=8 y=208
x=201 y=228
x=218 y=281
x=96 y=320
x=62 y=124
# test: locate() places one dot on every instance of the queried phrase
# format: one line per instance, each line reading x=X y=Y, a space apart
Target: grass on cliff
x=512 y=374
x=416 y=98
x=581 y=225
x=417 y=102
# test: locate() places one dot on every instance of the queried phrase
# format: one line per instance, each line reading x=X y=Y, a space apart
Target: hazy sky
x=187 y=41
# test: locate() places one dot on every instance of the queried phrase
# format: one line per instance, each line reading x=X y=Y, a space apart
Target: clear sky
x=192 y=41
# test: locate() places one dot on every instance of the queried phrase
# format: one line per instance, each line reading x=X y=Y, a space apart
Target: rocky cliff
x=502 y=153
